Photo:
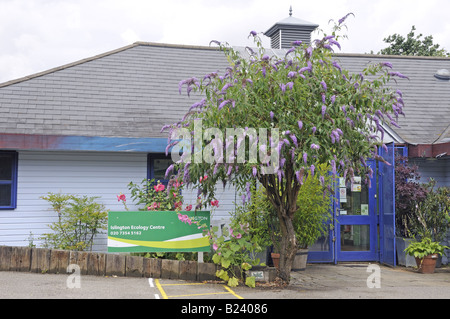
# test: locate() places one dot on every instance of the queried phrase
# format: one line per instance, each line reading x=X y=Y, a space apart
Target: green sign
x=156 y=232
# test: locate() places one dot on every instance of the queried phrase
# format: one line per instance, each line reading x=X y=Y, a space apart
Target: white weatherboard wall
x=82 y=173
x=91 y=174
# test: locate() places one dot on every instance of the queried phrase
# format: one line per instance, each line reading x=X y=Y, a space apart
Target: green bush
x=80 y=219
x=314 y=208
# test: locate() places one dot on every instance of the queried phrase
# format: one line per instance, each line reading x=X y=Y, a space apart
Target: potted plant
x=426 y=253
x=310 y=220
x=432 y=214
x=408 y=193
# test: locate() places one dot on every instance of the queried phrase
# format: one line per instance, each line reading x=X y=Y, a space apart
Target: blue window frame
x=8 y=180
x=157 y=166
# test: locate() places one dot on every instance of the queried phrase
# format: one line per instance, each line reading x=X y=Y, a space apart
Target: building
x=92 y=126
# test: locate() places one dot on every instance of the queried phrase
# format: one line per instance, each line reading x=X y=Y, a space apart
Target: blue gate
x=387 y=205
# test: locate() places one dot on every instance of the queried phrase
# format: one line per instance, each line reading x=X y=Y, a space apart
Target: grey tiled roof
x=133 y=92
x=130 y=92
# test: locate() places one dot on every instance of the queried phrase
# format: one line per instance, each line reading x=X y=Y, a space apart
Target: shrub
x=80 y=219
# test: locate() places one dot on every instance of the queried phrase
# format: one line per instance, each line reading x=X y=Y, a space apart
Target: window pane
x=355 y=238
x=159 y=168
x=6 y=167
x=5 y=195
x=354 y=199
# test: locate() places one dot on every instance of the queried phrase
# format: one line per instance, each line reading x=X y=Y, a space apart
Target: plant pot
x=427 y=264
x=276 y=260
x=300 y=259
x=403 y=259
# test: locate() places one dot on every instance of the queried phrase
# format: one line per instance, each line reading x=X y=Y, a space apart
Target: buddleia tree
x=274 y=120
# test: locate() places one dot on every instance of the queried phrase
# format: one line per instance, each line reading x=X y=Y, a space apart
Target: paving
x=318 y=281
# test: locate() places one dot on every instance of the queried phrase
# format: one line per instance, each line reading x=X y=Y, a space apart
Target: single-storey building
x=92 y=126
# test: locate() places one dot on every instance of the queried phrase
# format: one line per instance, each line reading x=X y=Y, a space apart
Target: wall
x=39 y=260
x=92 y=174
x=103 y=174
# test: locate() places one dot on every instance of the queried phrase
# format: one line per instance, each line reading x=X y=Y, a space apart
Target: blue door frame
x=379 y=220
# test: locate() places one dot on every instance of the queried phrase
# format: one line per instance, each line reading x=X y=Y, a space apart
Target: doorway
x=363 y=227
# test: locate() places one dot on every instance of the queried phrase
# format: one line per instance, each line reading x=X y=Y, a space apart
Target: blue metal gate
x=387 y=205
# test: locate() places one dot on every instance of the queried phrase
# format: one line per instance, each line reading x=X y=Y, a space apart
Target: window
x=8 y=179
x=157 y=166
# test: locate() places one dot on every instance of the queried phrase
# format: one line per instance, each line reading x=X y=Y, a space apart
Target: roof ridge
x=180 y=46
x=65 y=66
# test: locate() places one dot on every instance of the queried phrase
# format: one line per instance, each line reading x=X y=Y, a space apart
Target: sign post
x=157 y=232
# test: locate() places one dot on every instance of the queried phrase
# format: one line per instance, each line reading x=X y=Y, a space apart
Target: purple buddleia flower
x=225 y=88
x=395 y=124
x=305 y=158
x=227 y=102
x=337 y=66
x=400 y=93
x=282 y=161
x=171 y=145
x=290 y=85
x=324 y=85
x=253 y=33
x=324 y=109
x=168 y=170
x=386 y=64
x=322 y=180
x=263 y=71
x=334 y=42
x=309 y=51
x=297 y=43
x=165 y=127
x=314 y=146
x=283 y=87
x=271 y=115
x=300 y=124
x=279 y=175
x=333 y=167
x=314 y=130
x=341 y=20
x=343 y=109
x=290 y=51
x=292 y=74
x=265 y=57
x=255 y=171
x=398 y=74
x=312 y=168
x=333 y=99
x=297 y=175
x=230 y=168
x=294 y=139
x=190 y=82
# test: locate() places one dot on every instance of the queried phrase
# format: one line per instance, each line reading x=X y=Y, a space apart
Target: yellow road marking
x=232 y=292
x=165 y=296
x=161 y=290
x=192 y=284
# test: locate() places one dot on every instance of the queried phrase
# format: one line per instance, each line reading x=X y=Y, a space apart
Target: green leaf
x=251 y=282
x=233 y=282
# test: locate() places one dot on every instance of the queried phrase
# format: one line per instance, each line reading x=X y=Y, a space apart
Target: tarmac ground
x=318 y=281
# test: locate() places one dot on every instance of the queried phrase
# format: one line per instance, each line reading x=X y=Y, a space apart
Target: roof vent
x=291 y=29
x=442 y=74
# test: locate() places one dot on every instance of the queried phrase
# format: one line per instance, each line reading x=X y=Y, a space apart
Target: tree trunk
x=288 y=246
